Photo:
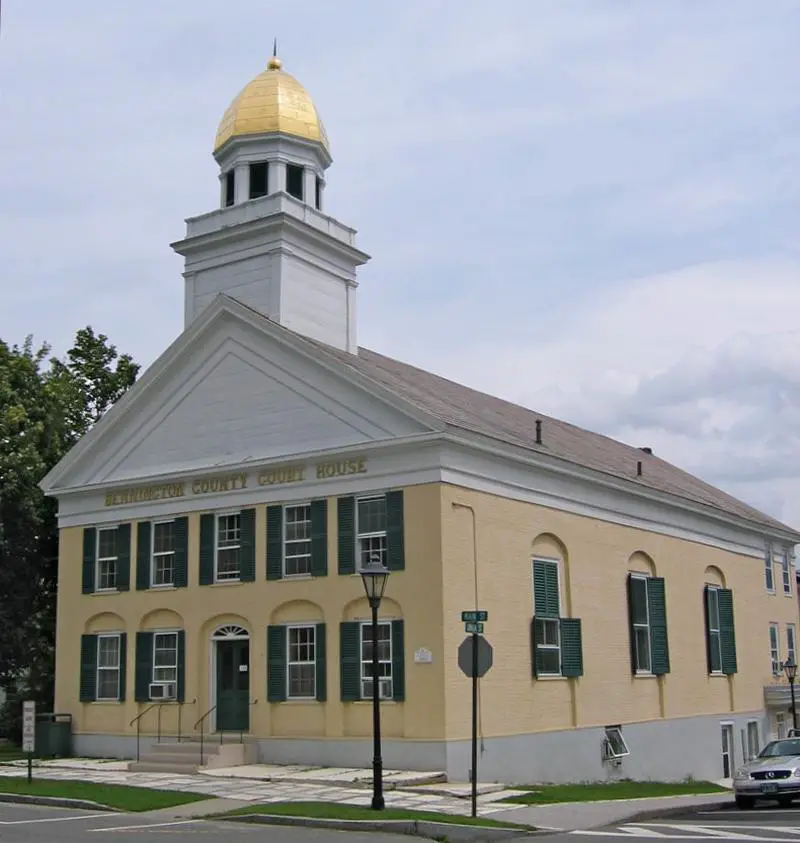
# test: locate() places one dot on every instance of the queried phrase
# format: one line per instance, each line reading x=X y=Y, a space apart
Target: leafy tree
x=44 y=410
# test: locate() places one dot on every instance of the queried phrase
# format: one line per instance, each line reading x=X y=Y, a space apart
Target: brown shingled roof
x=468 y=409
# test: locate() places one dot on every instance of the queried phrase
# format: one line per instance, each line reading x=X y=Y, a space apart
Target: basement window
x=615 y=743
x=294 y=181
x=230 y=187
x=259 y=179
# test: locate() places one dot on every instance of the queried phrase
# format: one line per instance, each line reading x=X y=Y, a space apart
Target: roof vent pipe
x=639 y=468
x=538 y=431
x=647 y=450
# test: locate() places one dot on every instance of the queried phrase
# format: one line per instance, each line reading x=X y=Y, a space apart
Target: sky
x=590 y=207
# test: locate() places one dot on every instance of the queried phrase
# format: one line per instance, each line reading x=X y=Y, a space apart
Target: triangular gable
x=234 y=388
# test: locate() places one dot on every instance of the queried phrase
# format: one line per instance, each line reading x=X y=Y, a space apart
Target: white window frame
x=615 y=744
x=237 y=547
x=751 y=749
x=380 y=534
x=769 y=571
x=786 y=573
x=367 y=663
x=641 y=671
x=98 y=559
x=154 y=680
x=106 y=669
x=791 y=643
x=161 y=554
x=775 y=648
x=714 y=632
x=556 y=621
x=288 y=542
x=780 y=725
x=290 y=662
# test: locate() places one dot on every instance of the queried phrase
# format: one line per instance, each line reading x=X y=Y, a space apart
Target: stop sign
x=484 y=655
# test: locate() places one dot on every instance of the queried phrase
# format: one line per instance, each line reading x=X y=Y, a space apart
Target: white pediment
x=236 y=391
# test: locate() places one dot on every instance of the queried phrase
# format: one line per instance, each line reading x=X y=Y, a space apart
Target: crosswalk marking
x=691 y=831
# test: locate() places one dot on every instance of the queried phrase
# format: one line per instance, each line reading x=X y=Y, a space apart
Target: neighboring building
x=214 y=522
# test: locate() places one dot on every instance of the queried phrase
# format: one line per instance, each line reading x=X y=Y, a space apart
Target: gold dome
x=273 y=102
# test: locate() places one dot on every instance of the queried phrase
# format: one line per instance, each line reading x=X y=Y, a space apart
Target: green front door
x=233 y=686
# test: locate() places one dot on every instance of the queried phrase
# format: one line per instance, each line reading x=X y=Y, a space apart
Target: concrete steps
x=184 y=757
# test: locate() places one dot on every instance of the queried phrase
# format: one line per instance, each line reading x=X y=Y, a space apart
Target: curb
x=418 y=828
x=678 y=810
x=54 y=802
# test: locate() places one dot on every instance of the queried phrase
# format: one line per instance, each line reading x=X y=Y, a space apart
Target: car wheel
x=745 y=802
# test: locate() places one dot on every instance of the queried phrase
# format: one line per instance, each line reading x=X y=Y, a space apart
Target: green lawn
x=549 y=793
x=9 y=752
x=336 y=811
x=114 y=795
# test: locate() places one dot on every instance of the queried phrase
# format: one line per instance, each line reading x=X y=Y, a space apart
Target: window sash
x=297 y=540
x=301 y=659
x=228 y=543
x=640 y=621
x=384 y=660
x=548 y=646
x=108 y=667
x=106 y=560
x=791 y=643
x=786 y=574
x=165 y=657
x=774 y=649
x=371 y=530
x=162 y=560
x=769 y=572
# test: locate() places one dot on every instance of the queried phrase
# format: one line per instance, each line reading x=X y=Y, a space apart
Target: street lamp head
x=374 y=576
x=790 y=669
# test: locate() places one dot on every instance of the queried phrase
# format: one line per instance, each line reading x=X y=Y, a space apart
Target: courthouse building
x=214 y=522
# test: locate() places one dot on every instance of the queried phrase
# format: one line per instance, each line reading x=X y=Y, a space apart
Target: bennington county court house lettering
x=236 y=482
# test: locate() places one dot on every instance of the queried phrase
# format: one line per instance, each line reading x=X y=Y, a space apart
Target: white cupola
x=270 y=245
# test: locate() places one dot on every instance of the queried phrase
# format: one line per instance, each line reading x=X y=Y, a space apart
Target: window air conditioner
x=163 y=691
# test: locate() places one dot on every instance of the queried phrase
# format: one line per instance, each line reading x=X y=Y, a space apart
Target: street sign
x=474 y=627
x=485 y=655
x=28 y=726
x=474 y=617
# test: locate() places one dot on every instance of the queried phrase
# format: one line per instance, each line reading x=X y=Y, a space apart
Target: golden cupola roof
x=272 y=102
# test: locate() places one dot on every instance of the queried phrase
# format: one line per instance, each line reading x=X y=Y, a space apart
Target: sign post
x=474 y=659
x=29 y=733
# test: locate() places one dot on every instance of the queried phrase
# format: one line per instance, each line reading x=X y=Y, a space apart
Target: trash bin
x=54 y=735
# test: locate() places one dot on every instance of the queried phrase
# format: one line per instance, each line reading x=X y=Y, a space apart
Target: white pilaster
x=279 y=170
x=242 y=189
x=309 y=186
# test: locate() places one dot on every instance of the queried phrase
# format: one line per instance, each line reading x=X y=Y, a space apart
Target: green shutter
x=545 y=589
x=534 y=660
x=350 y=660
x=123 y=665
x=657 y=608
x=247 y=545
x=398 y=661
x=631 y=634
x=320 y=650
x=712 y=654
x=727 y=631
x=181 y=563
x=143 y=555
x=395 y=539
x=124 y=557
x=88 y=684
x=571 y=647
x=274 y=542
x=207 y=549
x=346 y=514
x=89 y=557
x=319 y=538
x=276 y=663
x=181 y=665
x=144 y=666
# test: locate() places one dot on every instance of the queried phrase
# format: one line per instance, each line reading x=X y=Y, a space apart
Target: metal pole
x=794 y=707
x=377 y=761
x=474 y=724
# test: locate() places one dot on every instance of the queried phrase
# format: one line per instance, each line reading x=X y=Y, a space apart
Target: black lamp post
x=790 y=669
x=374 y=576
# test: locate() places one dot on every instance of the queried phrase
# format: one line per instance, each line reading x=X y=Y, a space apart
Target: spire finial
x=274 y=63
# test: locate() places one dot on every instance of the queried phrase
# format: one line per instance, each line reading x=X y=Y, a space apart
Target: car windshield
x=775 y=749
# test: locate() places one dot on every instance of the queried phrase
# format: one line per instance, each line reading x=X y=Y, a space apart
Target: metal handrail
x=137 y=721
x=200 y=724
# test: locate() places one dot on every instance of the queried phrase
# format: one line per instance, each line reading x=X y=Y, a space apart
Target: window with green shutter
x=143 y=674
x=88 y=667
x=247 y=545
x=647 y=622
x=181 y=543
x=556 y=641
x=276 y=663
x=395 y=531
x=89 y=559
x=321 y=668
x=274 y=542
x=143 y=541
x=103 y=663
x=319 y=538
x=345 y=509
x=207 y=537
x=350 y=660
x=124 y=557
x=727 y=631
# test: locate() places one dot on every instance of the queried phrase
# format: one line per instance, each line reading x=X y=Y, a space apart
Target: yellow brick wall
x=414 y=594
x=596 y=557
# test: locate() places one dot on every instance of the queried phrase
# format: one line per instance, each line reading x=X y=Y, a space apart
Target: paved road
x=767 y=823
x=34 y=824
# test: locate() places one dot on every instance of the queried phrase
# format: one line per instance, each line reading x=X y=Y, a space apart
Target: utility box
x=54 y=735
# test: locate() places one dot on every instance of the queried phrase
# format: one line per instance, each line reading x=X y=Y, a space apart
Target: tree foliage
x=46 y=405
